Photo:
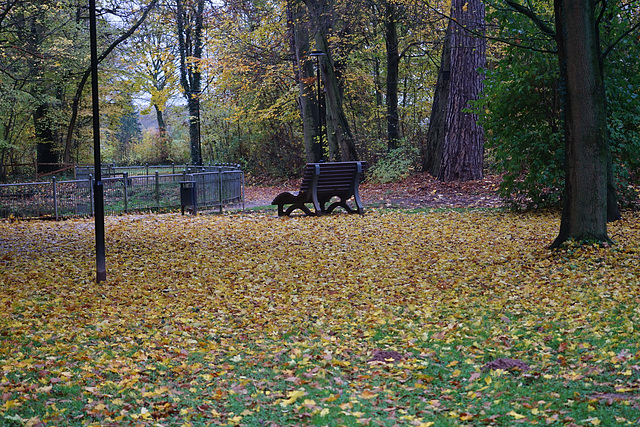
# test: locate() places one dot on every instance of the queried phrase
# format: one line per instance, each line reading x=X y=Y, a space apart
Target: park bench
x=321 y=183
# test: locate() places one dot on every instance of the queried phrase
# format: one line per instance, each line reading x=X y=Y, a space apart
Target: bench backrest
x=333 y=177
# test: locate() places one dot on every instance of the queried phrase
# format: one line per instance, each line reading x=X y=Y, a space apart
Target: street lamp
x=98 y=187
x=317 y=146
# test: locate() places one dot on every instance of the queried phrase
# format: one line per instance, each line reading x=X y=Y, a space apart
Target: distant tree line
x=407 y=85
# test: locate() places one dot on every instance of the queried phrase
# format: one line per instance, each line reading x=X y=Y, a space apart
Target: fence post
x=91 y=194
x=126 y=191
x=157 y=190
x=55 y=198
x=242 y=186
x=220 y=187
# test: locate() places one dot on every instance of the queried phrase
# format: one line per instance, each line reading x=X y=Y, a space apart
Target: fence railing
x=83 y=171
x=217 y=187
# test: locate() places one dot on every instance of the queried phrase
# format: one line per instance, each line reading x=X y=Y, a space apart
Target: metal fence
x=216 y=187
x=83 y=171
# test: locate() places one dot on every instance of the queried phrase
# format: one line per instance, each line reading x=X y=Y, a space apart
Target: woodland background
x=236 y=59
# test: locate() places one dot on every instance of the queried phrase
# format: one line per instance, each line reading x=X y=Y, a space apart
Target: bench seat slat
x=322 y=182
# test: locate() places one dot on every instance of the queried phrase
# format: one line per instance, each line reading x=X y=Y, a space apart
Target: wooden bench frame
x=320 y=183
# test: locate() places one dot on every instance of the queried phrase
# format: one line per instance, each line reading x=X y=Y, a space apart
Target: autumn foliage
x=433 y=318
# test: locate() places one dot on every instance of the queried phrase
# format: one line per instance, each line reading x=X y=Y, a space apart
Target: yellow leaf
x=33 y=422
x=367 y=394
x=332 y=398
x=292 y=397
x=517 y=416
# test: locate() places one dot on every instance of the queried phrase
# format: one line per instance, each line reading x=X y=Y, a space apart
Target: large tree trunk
x=584 y=213
x=432 y=150
x=189 y=20
x=393 y=63
x=340 y=141
x=300 y=37
x=455 y=146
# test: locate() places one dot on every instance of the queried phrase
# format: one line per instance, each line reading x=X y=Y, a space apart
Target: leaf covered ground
x=440 y=318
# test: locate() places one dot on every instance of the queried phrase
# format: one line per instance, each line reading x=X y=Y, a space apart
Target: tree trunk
x=393 y=62
x=46 y=138
x=163 y=143
x=584 y=213
x=303 y=67
x=340 y=140
x=190 y=31
x=194 y=129
x=457 y=149
x=432 y=150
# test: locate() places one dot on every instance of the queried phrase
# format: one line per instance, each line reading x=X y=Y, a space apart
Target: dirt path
x=420 y=190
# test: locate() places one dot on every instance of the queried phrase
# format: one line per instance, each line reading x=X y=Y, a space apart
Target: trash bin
x=188 y=197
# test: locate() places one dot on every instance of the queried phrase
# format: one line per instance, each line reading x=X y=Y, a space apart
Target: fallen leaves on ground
x=383 y=319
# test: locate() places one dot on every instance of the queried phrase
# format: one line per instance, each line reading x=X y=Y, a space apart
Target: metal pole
x=55 y=198
x=220 y=187
x=101 y=269
x=126 y=191
x=157 y=190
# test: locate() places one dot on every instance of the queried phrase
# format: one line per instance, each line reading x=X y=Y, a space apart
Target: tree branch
x=625 y=34
x=87 y=73
x=546 y=29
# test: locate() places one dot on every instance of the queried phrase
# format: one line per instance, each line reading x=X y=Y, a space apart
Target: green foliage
x=524 y=128
x=395 y=165
x=522 y=113
x=622 y=79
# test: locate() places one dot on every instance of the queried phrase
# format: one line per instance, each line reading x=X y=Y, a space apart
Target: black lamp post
x=98 y=188
x=317 y=146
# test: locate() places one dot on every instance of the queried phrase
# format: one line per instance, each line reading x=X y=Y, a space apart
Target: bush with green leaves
x=395 y=165
x=521 y=111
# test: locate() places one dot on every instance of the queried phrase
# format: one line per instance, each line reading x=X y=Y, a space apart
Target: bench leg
x=292 y=208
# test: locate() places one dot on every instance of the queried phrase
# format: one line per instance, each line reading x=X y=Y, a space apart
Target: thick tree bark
x=584 y=213
x=300 y=38
x=456 y=151
x=189 y=20
x=432 y=150
x=340 y=141
x=393 y=64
